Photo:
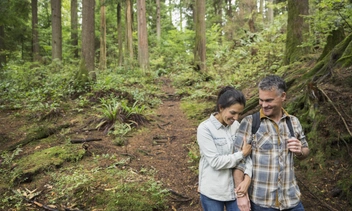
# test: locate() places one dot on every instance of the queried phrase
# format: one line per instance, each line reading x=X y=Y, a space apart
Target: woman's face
x=230 y=114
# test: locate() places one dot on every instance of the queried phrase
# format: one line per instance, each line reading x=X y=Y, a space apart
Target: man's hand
x=294 y=145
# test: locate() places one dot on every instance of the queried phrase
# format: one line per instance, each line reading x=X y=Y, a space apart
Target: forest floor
x=164 y=145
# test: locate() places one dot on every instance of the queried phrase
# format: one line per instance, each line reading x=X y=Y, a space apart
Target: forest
x=100 y=99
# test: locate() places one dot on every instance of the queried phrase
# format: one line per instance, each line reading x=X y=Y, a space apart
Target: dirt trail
x=164 y=148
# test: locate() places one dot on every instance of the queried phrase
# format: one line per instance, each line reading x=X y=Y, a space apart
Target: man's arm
x=303 y=154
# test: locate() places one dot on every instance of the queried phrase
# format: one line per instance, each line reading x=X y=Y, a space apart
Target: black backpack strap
x=289 y=124
x=255 y=122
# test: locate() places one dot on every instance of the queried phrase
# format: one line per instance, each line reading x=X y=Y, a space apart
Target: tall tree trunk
x=2 y=46
x=270 y=14
x=158 y=26
x=217 y=4
x=252 y=10
x=129 y=37
x=74 y=28
x=229 y=31
x=181 y=18
x=199 y=52
x=119 y=33
x=88 y=36
x=102 y=60
x=35 y=36
x=143 y=54
x=261 y=9
x=296 y=30
x=56 y=29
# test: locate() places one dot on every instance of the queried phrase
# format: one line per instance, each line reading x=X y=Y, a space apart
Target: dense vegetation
x=241 y=48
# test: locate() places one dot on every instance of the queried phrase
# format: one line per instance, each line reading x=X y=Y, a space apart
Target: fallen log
x=78 y=141
x=41 y=133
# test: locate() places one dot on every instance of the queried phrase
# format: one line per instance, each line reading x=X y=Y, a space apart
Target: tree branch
x=344 y=121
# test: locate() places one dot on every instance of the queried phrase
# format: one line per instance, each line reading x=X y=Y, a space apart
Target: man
x=273 y=185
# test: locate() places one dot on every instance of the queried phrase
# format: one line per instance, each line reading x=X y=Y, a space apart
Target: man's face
x=271 y=102
x=230 y=114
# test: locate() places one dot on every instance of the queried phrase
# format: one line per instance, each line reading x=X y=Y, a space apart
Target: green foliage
x=329 y=15
x=194 y=155
x=9 y=173
x=110 y=110
x=134 y=109
x=119 y=190
x=119 y=131
x=175 y=51
x=346 y=186
x=37 y=88
x=196 y=109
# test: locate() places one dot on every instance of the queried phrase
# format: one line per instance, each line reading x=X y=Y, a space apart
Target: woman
x=215 y=138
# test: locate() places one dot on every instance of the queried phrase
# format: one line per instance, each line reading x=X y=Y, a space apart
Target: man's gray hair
x=272 y=82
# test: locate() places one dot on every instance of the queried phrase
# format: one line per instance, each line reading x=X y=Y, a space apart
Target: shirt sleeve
x=249 y=167
x=244 y=131
x=299 y=130
x=210 y=153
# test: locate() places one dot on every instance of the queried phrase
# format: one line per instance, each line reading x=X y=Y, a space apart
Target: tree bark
x=158 y=26
x=2 y=46
x=74 y=28
x=229 y=31
x=333 y=39
x=119 y=33
x=296 y=30
x=35 y=36
x=270 y=14
x=56 y=29
x=129 y=37
x=88 y=36
x=143 y=54
x=102 y=59
x=252 y=10
x=200 y=52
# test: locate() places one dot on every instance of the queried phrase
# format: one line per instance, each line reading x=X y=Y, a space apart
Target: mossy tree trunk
x=88 y=36
x=339 y=56
x=333 y=39
x=296 y=30
x=199 y=51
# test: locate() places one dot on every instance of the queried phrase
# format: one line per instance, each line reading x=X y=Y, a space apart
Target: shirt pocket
x=263 y=141
x=221 y=145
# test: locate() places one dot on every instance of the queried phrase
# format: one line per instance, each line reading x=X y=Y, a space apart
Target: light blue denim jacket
x=216 y=145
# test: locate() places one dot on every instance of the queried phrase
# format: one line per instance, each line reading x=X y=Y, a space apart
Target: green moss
x=114 y=189
x=54 y=156
x=196 y=109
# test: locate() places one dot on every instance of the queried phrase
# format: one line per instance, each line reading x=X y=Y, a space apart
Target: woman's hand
x=243 y=203
x=246 y=148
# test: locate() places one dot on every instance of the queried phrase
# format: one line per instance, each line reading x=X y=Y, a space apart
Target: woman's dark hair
x=229 y=96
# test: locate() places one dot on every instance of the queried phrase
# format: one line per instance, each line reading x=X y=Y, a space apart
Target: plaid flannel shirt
x=273 y=181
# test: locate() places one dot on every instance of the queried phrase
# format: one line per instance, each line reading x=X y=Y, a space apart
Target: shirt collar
x=215 y=121
x=262 y=115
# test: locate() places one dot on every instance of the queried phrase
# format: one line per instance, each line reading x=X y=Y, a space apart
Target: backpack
x=256 y=124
